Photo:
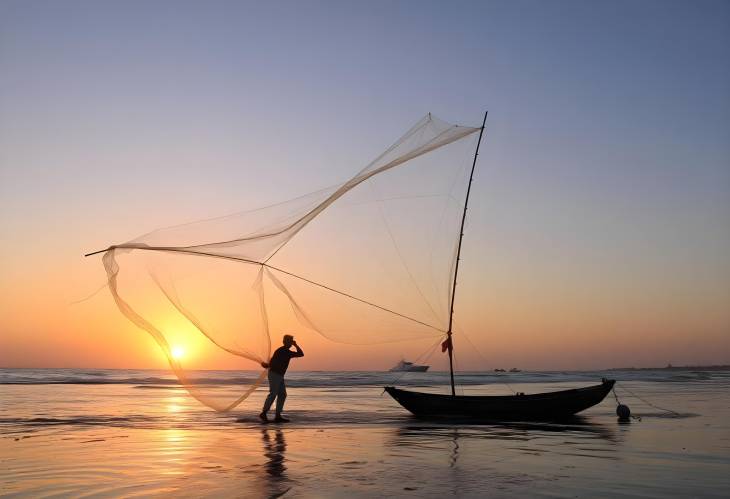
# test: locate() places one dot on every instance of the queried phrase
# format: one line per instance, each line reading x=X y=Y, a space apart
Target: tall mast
x=450 y=344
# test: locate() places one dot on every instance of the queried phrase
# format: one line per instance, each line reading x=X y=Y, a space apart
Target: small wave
x=157 y=387
x=126 y=421
x=320 y=379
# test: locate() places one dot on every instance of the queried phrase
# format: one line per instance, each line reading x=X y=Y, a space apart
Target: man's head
x=288 y=340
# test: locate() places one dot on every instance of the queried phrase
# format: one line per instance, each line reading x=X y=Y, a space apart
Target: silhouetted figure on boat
x=277 y=369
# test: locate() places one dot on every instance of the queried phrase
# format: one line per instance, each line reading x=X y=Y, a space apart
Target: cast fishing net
x=366 y=261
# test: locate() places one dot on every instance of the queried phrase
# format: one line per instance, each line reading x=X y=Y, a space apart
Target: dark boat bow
x=540 y=406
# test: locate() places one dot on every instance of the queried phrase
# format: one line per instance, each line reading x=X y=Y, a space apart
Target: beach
x=137 y=433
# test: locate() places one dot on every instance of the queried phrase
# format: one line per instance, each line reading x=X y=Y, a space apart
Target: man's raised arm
x=299 y=352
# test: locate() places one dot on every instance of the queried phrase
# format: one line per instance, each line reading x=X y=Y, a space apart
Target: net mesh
x=366 y=261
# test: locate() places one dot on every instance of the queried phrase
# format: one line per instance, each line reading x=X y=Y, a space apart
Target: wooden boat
x=519 y=407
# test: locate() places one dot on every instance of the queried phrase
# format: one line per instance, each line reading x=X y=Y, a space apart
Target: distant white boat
x=405 y=366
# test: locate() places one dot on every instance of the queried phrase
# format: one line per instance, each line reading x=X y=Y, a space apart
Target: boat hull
x=536 y=407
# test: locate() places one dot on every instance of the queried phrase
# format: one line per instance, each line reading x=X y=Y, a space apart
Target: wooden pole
x=450 y=343
x=97 y=252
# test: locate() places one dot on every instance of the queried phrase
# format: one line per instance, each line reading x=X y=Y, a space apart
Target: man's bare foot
x=280 y=419
x=263 y=417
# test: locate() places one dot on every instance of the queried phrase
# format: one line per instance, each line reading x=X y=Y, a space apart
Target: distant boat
x=405 y=366
x=515 y=370
x=498 y=370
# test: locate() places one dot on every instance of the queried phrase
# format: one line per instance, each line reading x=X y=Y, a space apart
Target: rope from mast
x=271 y=267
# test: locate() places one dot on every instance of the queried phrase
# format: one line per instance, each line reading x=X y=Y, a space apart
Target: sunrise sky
x=599 y=229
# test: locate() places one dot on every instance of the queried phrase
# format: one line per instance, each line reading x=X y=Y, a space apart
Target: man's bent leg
x=276 y=380
x=280 y=398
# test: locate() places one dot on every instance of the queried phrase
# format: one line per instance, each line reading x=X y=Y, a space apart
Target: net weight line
x=271 y=267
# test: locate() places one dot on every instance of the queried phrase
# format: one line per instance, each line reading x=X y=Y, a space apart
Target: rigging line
x=173 y=249
x=238 y=213
x=281 y=231
x=174 y=300
x=189 y=249
x=401 y=140
x=397 y=198
x=449 y=196
x=398 y=252
x=462 y=333
x=89 y=297
x=430 y=352
x=361 y=177
x=645 y=401
x=348 y=185
x=253 y=262
x=354 y=297
x=420 y=125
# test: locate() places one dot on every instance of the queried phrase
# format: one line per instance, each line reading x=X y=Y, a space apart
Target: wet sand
x=119 y=440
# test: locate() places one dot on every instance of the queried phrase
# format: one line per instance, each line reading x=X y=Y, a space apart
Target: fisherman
x=277 y=368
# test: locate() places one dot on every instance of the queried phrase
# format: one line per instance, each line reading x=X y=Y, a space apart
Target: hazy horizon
x=293 y=368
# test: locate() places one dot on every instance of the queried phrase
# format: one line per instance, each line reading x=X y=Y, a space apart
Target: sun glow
x=178 y=352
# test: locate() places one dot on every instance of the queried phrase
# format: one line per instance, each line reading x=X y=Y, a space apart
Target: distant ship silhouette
x=405 y=366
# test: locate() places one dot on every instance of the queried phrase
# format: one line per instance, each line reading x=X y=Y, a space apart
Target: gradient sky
x=600 y=228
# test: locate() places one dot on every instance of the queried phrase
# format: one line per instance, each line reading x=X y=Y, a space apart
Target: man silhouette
x=277 y=369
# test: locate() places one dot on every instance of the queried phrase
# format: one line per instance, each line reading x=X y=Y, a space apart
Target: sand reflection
x=455 y=450
x=576 y=424
x=575 y=434
x=275 y=465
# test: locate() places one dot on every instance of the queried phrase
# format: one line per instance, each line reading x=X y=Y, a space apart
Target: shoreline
x=713 y=367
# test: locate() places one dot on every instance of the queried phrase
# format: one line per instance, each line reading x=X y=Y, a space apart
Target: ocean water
x=111 y=433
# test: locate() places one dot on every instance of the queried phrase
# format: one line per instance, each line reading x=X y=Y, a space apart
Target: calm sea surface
x=66 y=432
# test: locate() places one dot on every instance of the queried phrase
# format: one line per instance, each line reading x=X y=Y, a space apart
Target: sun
x=178 y=352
